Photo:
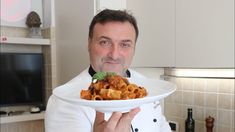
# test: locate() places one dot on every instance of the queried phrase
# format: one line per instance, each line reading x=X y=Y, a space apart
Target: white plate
x=157 y=90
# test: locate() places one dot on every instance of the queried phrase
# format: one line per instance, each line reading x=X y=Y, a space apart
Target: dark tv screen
x=21 y=79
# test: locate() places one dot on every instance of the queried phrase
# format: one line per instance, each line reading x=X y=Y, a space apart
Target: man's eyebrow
x=104 y=37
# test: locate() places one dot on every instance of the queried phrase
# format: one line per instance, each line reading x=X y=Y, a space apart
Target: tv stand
x=11 y=113
x=24 y=116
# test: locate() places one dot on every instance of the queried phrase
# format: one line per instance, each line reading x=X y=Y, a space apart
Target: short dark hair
x=108 y=15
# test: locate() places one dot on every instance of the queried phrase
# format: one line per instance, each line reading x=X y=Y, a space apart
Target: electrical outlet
x=174 y=126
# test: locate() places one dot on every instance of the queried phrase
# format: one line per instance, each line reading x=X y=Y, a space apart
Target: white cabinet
x=156 y=21
x=182 y=33
x=205 y=33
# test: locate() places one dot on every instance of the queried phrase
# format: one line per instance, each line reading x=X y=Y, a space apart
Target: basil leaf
x=102 y=75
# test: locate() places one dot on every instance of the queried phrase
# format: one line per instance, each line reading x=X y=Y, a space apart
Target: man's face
x=112 y=47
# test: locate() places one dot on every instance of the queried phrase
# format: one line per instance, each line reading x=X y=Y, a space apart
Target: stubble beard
x=111 y=65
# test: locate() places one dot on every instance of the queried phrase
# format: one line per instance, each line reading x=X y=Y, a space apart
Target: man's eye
x=125 y=45
x=105 y=43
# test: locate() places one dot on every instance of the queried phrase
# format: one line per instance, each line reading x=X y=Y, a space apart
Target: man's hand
x=118 y=122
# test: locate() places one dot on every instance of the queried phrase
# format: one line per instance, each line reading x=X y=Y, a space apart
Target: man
x=111 y=46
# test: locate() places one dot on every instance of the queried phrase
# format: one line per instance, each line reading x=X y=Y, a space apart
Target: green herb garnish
x=102 y=75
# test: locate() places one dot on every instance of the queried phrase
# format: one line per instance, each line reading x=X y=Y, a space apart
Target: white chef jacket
x=62 y=116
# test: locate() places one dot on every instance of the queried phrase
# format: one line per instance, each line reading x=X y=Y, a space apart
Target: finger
x=99 y=118
x=114 y=119
x=125 y=121
x=130 y=115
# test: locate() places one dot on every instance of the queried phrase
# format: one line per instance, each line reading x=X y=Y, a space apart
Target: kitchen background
x=207 y=96
x=173 y=34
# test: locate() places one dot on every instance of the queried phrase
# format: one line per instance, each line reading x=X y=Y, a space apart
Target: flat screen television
x=21 y=79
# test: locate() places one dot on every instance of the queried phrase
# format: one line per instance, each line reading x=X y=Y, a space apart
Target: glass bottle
x=189 y=122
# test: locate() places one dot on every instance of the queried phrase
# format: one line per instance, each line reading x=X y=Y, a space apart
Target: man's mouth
x=110 y=62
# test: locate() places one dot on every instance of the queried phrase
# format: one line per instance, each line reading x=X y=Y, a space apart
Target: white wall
x=111 y=4
x=48 y=13
x=72 y=19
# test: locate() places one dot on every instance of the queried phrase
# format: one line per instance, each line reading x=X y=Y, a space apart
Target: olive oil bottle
x=189 y=122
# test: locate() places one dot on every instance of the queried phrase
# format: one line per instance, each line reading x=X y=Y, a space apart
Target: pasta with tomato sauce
x=113 y=87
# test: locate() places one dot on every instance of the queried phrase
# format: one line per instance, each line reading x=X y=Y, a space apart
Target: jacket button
x=154 y=120
x=136 y=129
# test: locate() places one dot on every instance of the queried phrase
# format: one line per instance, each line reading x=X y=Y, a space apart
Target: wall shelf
x=21 y=40
x=26 y=116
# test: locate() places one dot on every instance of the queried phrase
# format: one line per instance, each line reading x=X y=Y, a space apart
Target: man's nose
x=114 y=51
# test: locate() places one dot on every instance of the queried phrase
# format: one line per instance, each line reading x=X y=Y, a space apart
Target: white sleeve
x=65 y=117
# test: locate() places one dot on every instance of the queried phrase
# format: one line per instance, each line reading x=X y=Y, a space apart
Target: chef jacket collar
x=92 y=72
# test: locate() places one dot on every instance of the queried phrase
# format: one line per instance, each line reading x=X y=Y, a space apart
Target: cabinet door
x=205 y=33
x=155 y=44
